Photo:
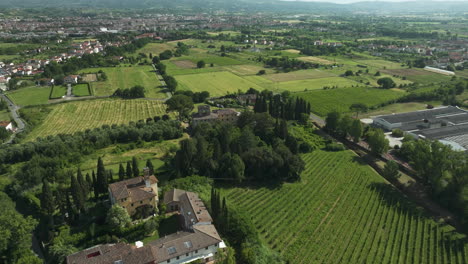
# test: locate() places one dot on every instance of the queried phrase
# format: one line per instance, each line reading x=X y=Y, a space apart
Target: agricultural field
x=418 y=75
x=325 y=101
x=316 y=60
x=400 y=108
x=155 y=48
x=381 y=64
x=247 y=69
x=58 y=91
x=216 y=83
x=344 y=212
x=315 y=84
x=126 y=77
x=30 y=95
x=299 y=75
x=68 y=118
x=80 y=90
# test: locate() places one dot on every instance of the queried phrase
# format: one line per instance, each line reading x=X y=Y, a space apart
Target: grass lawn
x=216 y=83
x=127 y=77
x=5 y=115
x=314 y=84
x=58 y=91
x=314 y=59
x=80 y=90
x=71 y=117
x=325 y=101
x=173 y=69
x=299 y=75
x=30 y=95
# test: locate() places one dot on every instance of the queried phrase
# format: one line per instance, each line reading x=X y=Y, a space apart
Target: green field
x=58 y=91
x=4 y=115
x=314 y=84
x=343 y=212
x=71 y=117
x=216 y=83
x=155 y=48
x=81 y=90
x=299 y=75
x=127 y=77
x=30 y=95
x=325 y=101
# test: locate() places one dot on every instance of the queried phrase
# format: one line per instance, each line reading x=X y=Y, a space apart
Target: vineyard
x=78 y=116
x=343 y=212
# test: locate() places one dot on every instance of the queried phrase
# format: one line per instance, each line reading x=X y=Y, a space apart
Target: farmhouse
x=7 y=125
x=136 y=193
x=205 y=114
x=198 y=241
x=247 y=99
x=448 y=124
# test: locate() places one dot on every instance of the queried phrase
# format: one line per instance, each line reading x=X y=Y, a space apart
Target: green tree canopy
x=386 y=83
x=117 y=217
x=181 y=104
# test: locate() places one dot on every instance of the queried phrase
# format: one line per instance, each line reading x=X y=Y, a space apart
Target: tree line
x=281 y=105
x=46 y=157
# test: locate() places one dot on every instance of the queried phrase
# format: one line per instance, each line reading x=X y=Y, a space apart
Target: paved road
x=69 y=90
x=14 y=113
x=163 y=83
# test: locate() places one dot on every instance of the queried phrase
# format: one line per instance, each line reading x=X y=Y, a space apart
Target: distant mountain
x=248 y=5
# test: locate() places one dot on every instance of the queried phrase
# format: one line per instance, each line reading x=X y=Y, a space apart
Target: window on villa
x=141 y=202
x=206 y=248
x=196 y=251
x=168 y=261
x=132 y=204
x=186 y=255
x=177 y=258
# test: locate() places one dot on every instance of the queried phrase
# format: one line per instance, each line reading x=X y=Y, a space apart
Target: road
x=163 y=83
x=14 y=114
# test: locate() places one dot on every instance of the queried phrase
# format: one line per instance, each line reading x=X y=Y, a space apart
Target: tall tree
x=332 y=121
x=136 y=171
x=356 y=130
x=358 y=108
x=82 y=182
x=129 y=171
x=101 y=178
x=391 y=170
x=47 y=199
x=377 y=141
x=150 y=166
x=121 y=172
x=77 y=193
x=181 y=104
x=95 y=188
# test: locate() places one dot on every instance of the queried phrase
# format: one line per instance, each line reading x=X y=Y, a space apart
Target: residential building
x=7 y=125
x=204 y=114
x=247 y=99
x=135 y=193
x=198 y=241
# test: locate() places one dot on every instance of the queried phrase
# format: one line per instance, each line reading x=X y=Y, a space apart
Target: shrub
x=335 y=147
x=397 y=132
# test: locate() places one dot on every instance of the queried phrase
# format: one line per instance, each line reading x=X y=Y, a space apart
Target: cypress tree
x=110 y=176
x=101 y=179
x=70 y=211
x=308 y=108
x=82 y=183
x=89 y=182
x=121 y=172
x=95 y=188
x=150 y=166
x=47 y=199
x=129 y=171
x=77 y=193
x=136 y=171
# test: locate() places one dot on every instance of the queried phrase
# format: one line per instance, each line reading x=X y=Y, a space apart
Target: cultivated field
x=314 y=84
x=155 y=48
x=217 y=83
x=246 y=69
x=89 y=77
x=325 y=101
x=343 y=212
x=71 y=117
x=299 y=75
x=126 y=77
x=30 y=95
x=381 y=64
x=316 y=60
x=185 y=64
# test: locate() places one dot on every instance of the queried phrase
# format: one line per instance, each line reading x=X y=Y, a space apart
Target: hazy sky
x=353 y=1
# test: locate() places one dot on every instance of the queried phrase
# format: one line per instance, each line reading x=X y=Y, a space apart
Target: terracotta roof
x=181 y=243
x=192 y=203
x=134 y=188
x=172 y=195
